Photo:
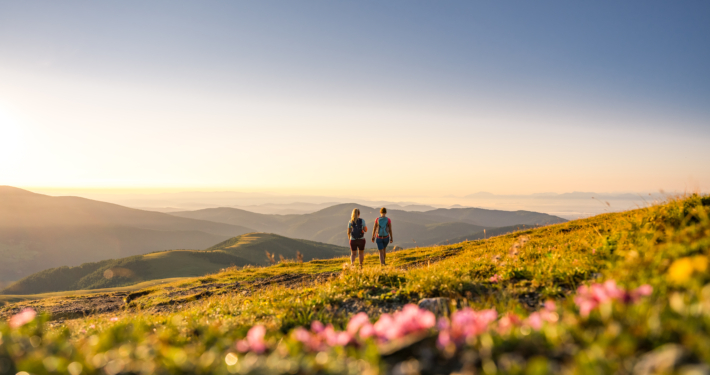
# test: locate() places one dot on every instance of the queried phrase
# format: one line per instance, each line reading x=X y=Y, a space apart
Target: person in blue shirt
x=383 y=231
x=356 y=233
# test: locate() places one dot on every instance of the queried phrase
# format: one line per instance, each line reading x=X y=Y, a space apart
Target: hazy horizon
x=570 y=205
x=371 y=99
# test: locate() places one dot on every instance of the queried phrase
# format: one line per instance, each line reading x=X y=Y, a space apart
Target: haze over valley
x=39 y=232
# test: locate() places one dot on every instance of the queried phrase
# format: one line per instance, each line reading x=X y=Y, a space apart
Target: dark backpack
x=356 y=233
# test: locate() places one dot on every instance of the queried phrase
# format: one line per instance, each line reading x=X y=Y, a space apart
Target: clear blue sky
x=436 y=97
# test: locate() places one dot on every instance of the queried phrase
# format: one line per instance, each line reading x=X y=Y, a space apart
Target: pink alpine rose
x=23 y=317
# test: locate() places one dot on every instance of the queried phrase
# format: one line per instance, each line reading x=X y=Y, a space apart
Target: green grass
x=56 y=297
x=252 y=246
x=238 y=251
x=633 y=248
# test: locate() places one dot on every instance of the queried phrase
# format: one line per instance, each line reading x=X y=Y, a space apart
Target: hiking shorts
x=382 y=242
x=357 y=244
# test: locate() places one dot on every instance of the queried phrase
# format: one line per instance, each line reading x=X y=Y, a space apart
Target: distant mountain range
x=39 y=232
x=237 y=251
x=572 y=195
x=410 y=228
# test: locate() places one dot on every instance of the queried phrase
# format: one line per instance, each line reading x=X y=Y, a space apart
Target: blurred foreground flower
x=495 y=278
x=547 y=314
x=410 y=320
x=464 y=324
x=23 y=317
x=254 y=341
x=590 y=297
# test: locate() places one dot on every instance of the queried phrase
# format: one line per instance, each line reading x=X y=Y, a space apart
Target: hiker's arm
x=374 y=230
x=364 y=228
x=350 y=230
x=389 y=229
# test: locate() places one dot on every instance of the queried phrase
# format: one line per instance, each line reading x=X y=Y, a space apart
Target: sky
x=368 y=98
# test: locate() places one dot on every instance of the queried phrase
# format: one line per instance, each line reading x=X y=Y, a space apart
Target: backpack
x=356 y=233
x=382 y=230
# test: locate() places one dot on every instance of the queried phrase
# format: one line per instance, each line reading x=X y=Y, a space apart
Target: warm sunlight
x=354 y=187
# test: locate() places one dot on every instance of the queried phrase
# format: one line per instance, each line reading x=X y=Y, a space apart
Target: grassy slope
x=59 y=297
x=126 y=271
x=633 y=248
x=493 y=232
x=237 y=251
x=39 y=231
x=253 y=247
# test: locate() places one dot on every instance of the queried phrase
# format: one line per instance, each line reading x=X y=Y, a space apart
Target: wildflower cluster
x=464 y=324
x=457 y=331
x=410 y=320
x=590 y=297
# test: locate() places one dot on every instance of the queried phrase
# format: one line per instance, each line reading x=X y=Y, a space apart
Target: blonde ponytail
x=355 y=215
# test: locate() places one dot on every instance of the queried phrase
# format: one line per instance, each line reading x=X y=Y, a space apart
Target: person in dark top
x=356 y=233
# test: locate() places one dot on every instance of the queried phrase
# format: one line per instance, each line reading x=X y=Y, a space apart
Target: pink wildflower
x=444 y=339
x=411 y=319
x=243 y=346
x=547 y=314
x=255 y=337
x=92 y=326
x=464 y=324
x=642 y=291
x=23 y=317
x=534 y=321
x=114 y=319
x=311 y=341
x=254 y=340
x=594 y=251
x=588 y=298
x=507 y=322
x=495 y=278
x=317 y=326
x=367 y=331
x=357 y=322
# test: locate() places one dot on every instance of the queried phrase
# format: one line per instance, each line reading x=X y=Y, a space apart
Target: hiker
x=356 y=234
x=383 y=230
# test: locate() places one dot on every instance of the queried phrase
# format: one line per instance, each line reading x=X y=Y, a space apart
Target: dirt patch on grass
x=176 y=298
x=81 y=306
x=70 y=308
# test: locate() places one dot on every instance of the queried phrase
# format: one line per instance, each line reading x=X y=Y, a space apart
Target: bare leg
x=362 y=257
x=353 y=254
x=382 y=257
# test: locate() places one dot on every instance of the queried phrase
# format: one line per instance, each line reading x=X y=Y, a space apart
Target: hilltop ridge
x=39 y=231
x=246 y=249
x=411 y=228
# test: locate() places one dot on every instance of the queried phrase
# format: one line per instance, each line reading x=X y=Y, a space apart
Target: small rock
x=439 y=306
x=397 y=248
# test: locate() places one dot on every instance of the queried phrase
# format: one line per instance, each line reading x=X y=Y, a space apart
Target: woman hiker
x=383 y=230
x=356 y=234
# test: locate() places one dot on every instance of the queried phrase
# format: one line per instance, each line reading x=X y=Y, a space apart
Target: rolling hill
x=541 y=306
x=237 y=251
x=253 y=246
x=39 y=231
x=410 y=228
